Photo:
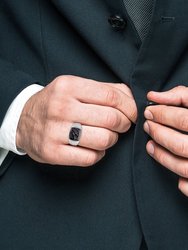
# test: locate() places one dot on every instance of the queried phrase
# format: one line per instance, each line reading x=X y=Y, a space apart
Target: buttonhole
x=167 y=19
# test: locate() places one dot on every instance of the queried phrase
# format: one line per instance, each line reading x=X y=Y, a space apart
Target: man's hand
x=167 y=124
x=103 y=109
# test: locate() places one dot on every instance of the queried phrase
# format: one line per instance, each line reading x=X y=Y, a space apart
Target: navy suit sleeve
x=12 y=82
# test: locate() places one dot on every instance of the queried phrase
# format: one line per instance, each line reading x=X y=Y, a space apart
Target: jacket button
x=117 y=22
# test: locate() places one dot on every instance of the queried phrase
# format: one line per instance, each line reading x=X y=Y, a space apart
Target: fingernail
x=146 y=127
x=150 y=148
x=148 y=115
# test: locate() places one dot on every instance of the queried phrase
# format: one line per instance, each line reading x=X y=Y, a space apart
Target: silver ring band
x=75 y=134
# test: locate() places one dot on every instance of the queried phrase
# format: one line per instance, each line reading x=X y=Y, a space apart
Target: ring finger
x=91 y=137
x=174 y=141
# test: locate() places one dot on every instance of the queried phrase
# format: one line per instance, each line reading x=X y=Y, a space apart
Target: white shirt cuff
x=11 y=119
x=3 y=154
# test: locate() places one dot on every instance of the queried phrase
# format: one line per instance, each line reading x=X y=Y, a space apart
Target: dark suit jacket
x=126 y=196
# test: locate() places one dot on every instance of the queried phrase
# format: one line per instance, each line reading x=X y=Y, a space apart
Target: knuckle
x=180 y=148
x=153 y=133
x=112 y=97
x=184 y=171
x=161 y=115
x=112 y=120
x=126 y=126
x=57 y=82
x=123 y=87
x=183 y=123
x=58 y=79
x=62 y=83
x=134 y=114
x=90 y=159
x=115 y=138
x=160 y=157
x=106 y=140
x=42 y=152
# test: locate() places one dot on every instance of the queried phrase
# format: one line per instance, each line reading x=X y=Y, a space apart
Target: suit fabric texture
x=127 y=196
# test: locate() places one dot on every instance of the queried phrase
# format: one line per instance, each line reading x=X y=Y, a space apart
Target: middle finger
x=98 y=116
x=175 y=117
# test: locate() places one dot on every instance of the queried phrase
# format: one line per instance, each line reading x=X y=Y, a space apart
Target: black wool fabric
x=140 y=12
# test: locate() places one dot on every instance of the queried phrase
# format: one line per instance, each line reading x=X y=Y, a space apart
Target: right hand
x=103 y=109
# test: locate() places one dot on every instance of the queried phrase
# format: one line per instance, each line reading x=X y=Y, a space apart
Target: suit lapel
x=164 y=47
x=118 y=49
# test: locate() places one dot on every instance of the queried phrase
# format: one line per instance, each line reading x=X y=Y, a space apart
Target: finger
x=172 y=162
x=170 y=139
x=107 y=95
x=98 y=116
x=91 y=137
x=129 y=103
x=177 y=96
x=71 y=156
x=174 y=117
x=122 y=87
x=183 y=186
x=97 y=138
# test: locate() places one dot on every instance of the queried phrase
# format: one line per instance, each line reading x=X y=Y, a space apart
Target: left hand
x=165 y=123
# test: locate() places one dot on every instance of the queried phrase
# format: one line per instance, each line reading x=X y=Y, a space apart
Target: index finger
x=175 y=117
x=105 y=94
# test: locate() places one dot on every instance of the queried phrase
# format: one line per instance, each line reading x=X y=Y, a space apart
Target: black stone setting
x=74 y=134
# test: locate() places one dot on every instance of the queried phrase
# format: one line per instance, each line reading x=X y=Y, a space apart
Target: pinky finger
x=183 y=186
x=67 y=155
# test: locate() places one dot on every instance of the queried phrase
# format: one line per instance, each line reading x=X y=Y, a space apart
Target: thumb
x=177 y=96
